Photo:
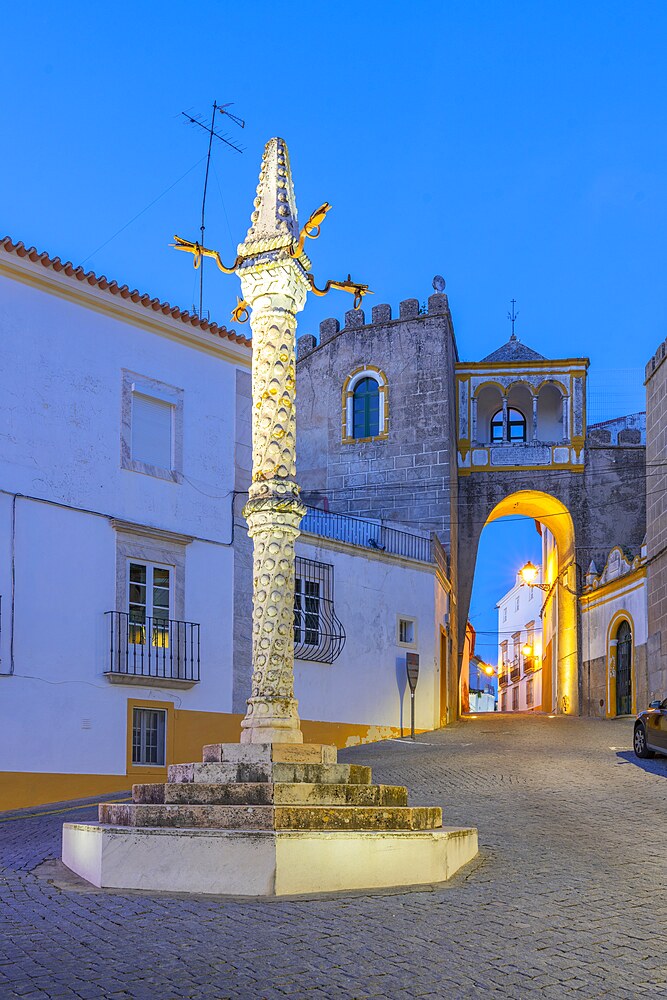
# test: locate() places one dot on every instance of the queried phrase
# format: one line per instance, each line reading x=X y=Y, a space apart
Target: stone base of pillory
x=263 y=820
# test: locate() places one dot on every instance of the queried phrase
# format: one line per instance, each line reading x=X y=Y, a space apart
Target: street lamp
x=527 y=650
x=529 y=573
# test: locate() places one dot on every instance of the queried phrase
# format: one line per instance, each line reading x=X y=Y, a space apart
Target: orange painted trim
x=22 y=789
x=187 y=733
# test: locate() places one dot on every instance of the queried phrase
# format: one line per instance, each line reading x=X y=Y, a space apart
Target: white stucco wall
x=367 y=683
x=598 y=615
x=60 y=434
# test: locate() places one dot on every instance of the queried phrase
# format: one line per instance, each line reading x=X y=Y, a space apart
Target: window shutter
x=151 y=431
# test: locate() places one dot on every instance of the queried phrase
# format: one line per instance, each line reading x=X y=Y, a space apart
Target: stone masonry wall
x=410 y=476
x=656 y=520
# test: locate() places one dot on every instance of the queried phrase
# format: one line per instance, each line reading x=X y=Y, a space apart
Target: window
x=516 y=426
x=503 y=702
x=366 y=409
x=149 y=603
x=407 y=631
x=515 y=699
x=505 y=614
x=516 y=603
x=151 y=427
x=149 y=729
x=306 y=611
x=152 y=435
x=318 y=634
x=531 y=593
x=529 y=692
x=365 y=405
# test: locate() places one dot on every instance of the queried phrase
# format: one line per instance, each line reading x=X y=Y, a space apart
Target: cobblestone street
x=568 y=896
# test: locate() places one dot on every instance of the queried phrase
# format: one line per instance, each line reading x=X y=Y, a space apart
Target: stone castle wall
x=656 y=519
x=411 y=475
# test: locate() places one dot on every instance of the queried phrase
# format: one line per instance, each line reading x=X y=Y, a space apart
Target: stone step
x=278 y=817
x=267 y=793
x=261 y=753
x=225 y=773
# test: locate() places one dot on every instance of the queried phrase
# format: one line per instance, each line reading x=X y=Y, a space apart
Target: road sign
x=412 y=668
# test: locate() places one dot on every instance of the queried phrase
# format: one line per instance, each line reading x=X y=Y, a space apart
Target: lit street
x=567 y=896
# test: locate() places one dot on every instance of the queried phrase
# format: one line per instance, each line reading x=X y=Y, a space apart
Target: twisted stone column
x=276 y=291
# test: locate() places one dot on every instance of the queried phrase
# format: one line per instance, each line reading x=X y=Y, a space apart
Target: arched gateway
x=462 y=444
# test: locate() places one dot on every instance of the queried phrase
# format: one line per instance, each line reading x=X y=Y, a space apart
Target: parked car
x=650 y=735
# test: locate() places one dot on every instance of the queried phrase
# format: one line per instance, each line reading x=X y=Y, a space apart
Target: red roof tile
x=113 y=288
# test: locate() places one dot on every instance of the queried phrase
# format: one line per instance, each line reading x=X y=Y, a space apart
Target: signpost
x=412 y=668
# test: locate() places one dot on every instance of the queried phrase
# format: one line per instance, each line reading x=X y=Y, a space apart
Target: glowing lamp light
x=488 y=669
x=529 y=573
x=527 y=650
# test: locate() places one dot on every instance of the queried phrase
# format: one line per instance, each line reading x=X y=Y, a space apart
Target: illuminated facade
x=520 y=648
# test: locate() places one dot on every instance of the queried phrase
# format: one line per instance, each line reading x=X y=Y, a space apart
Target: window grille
x=515 y=699
x=319 y=636
x=529 y=692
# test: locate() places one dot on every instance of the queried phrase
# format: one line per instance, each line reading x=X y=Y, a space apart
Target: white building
x=520 y=644
x=615 y=636
x=125 y=568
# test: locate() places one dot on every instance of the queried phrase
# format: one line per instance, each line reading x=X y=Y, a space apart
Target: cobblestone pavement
x=568 y=897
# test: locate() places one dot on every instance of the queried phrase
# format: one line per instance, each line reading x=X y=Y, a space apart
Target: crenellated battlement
x=656 y=360
x=381 y=315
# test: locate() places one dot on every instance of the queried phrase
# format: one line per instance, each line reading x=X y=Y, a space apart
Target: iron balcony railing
x=529 y=664
x=154 y=647
x=368 y=534
x=503 y=679
x=515 y=670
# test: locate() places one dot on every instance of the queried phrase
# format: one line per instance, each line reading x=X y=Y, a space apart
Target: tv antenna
x=212 y=133
x=512 y=317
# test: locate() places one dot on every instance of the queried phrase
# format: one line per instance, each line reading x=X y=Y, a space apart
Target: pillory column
x=274 y=286
x=275 y=277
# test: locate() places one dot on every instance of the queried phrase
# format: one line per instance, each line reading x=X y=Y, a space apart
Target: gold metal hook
x=311 y=230
x=198 y=252
x=241 y=311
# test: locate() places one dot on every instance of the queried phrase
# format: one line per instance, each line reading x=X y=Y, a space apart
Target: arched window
x=516 y=426
x=365 y=405
x=366 y=409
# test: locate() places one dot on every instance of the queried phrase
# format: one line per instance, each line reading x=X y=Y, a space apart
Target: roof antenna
x=512 y=317
x=210 y=129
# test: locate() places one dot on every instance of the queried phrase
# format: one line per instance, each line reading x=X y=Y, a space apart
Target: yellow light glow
x=488 y=669
x=527 y=650
x=529 y=573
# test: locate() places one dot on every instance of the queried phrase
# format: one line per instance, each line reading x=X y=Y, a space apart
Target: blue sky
x=517 y=148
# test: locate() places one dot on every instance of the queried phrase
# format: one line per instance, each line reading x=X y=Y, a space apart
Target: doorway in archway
x=624 y=669
x=530 y=621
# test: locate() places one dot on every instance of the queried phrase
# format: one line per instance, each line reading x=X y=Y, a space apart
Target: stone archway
x=560 y=681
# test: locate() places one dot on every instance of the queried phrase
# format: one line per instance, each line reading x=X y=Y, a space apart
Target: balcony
x=515 y=670
x=154 y=653
x=503 y=679
x=377 y=535
x=530 y=664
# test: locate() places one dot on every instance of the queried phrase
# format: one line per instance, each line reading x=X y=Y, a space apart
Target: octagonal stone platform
x=265 y=820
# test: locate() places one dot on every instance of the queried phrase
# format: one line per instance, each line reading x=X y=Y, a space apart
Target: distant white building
x=125 y=568
x=520 y=645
